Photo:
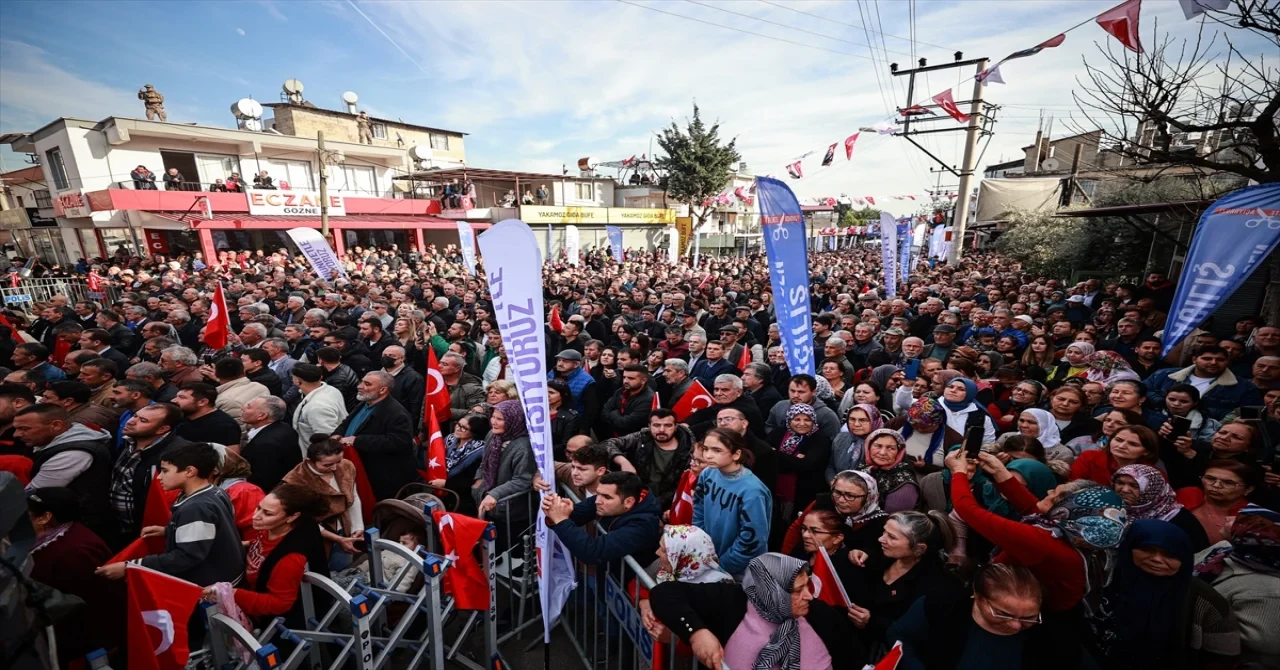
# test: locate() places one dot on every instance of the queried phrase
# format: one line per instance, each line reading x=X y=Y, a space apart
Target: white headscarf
x=1049 y=436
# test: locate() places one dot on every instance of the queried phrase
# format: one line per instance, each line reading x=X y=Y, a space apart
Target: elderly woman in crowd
x=1245 y=569
x=848 y=446
x=883 y=459
x=803 y=453
x=1147 y=495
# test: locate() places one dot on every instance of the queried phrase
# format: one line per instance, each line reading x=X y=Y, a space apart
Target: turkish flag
x=437 y=391
x=694 y=399
x=436 y=468
x=555 y=322
x=13 y=330
x=825 y=585
x=1121 y=22
x=218 y=325
x=156 y=513
x=94 y=282
x=848 y=146
x=682 y=504
x=891 y=659
x=745 y=359
x=656 y=403
x=363 y=488
x=465 y=581
x=948 y=105
x=795 y=170
x=159 y=608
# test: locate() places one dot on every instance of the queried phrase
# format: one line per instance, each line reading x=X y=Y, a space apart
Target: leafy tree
x=697 y=163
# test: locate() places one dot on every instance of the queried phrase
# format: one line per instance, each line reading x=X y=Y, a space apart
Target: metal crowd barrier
x=30 y=292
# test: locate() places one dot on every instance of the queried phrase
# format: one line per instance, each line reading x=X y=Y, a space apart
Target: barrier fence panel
x=30 y=292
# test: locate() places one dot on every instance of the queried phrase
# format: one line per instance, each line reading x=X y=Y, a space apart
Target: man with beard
x=658 y=453
x=382 y=432
x=627 y=410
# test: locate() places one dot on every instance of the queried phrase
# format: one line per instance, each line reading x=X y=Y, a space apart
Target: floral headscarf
x=513 y=428
x=895 y=476
x=870 y=506
x=692 y=556
x=792 y=440
x=926 y=415
x=1095 y=516
x=823 y=390
x=1255 y=544
x=1156 y=499
x=877 y=420
x=1106 y=367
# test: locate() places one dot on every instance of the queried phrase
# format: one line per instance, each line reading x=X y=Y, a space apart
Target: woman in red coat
x=1131 y=445
x=233 y=478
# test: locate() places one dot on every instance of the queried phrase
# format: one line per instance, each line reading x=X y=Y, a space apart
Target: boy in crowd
x=202 y=545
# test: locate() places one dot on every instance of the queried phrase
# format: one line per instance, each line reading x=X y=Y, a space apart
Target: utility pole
x=966 y=170
x=324 y=185
x=978 y=126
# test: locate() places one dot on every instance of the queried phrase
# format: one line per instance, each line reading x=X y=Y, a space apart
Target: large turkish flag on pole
x=218 y=326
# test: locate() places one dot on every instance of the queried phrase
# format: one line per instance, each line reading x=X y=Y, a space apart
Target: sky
x=537 y=85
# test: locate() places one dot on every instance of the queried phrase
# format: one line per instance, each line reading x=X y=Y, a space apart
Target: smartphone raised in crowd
x=912 y=369
x=1251 y=412
x=973 y=442
x=1181 y=426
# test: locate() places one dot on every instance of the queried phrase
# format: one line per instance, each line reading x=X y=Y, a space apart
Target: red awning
x=234 y=220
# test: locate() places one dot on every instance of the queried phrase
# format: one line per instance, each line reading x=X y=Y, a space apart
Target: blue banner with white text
x=1236 y=235
x=782 y=224
x=904 y=248
x=889 y=253
x=615 y=242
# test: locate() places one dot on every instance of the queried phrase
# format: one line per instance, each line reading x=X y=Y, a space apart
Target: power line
x=781 y=25
x=851 y=25
x=739 y=30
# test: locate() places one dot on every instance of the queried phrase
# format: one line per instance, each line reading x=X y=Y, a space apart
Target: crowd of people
x=145 y=180
x=1121 y=511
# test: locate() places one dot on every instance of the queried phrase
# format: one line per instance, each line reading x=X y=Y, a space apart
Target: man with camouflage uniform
x=153 y=101
x=363 y=128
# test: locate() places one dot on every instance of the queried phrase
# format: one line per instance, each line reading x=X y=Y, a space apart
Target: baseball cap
x=1025 y=319
x=570 y=355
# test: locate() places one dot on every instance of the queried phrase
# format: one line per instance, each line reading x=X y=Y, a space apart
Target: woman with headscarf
x=855 y=496
x=988 y=363
x=1130 y=445
x=1073 y=363
x=1065 y=539
x=771 y=621
x=1036 y=476
x=884 y=459
x=1039 y=424
x=1245 y=569
x=507 y=467
x=803 y=453
x=686 y=555
x=847 y=448
x=927 y=435
x=1147 y=495
x=463 y=449
x=895 y=396
x=1153 y=614
x=959 y=401
x=823 y=393
x=1105 y=367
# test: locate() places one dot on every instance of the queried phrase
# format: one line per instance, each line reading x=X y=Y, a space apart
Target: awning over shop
x=237 y=221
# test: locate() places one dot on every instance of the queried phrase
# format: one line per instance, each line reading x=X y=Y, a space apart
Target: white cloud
x=269 y=6
x=240 y=32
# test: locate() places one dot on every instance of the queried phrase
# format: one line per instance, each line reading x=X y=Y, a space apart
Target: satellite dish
x=1051 y=164
x=246 y=108
x=292 y=86
x=421 y=152
x=350 y=97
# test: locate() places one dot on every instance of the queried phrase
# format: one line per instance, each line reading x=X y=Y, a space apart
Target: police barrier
x=30 y=292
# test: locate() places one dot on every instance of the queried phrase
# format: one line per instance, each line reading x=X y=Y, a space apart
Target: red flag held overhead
x=218 y=325
x=1121 y=22
x=948 y=105
x=694 y=399
x=555 y=322
x=848 y=146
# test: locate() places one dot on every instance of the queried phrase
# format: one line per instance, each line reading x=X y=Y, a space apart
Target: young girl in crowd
x=730 y=503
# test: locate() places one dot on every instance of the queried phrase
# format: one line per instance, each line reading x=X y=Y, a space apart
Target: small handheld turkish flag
x=437 y=391
x=657 y=403
x=465 y=580
x=694 y=399
x=218 y=326
x=436 y=468
x=159 y=608
x=825 y=585
x=745 y=359
x=555 y=322
x=156 y=512
x=890 y=660
x=682 y=504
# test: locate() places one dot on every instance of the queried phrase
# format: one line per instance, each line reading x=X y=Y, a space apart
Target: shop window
x=440 y=141
x=297 y=174
x=57 y=170
x=43 y=200
x=379 y=131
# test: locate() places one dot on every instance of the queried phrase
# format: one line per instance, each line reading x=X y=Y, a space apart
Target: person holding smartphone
x=1183 y=401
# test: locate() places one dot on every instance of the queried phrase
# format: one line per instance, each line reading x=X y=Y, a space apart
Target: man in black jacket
x=410 y=388
x=147 y=436
x=659 y=454
x=628 y=410
x=728 y=392
x=337 y=375
x=382 y=431
x=121 y=338
x=101 y=342
x=755 y=379
x=353 y=356
x=271 y=447
x=257 y=368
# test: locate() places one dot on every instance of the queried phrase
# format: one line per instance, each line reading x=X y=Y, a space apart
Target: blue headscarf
x=970 y=392
x=1139 y=610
